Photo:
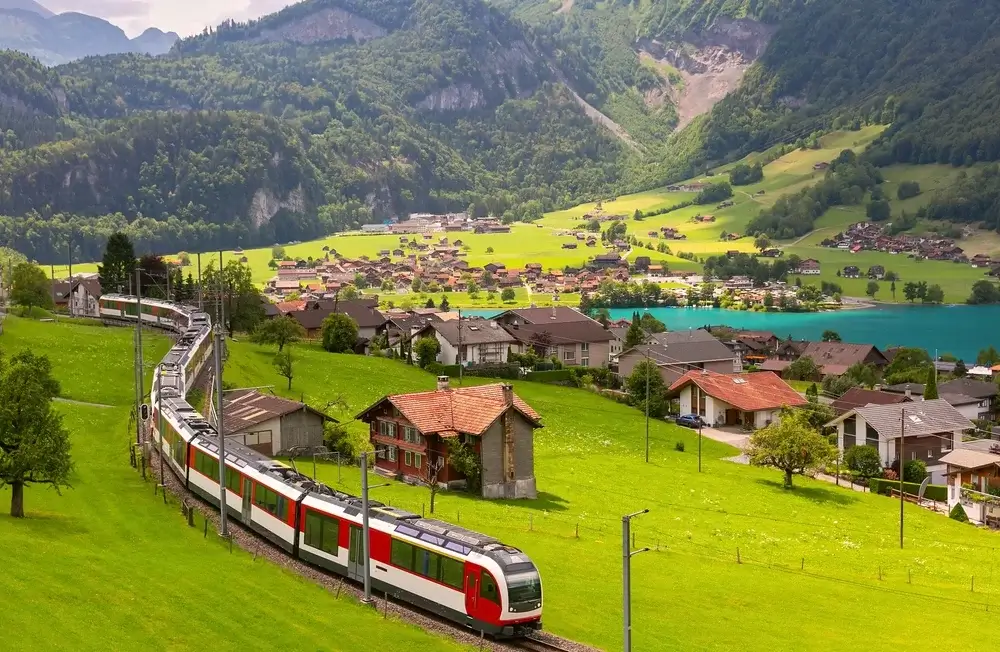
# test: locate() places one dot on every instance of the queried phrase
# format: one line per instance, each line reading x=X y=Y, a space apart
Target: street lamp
x=627 y=554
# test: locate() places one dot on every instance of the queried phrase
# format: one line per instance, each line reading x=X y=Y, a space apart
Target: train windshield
x=524 y=587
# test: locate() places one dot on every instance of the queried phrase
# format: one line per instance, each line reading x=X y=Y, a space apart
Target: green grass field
x=811 y=558
x=108 y=566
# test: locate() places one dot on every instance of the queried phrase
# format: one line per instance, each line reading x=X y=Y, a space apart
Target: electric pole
x=902 y=441
x=627 y=554
x=139 y=390
x=460 y=356
x=365 y=531
x=201 y=303
x=52 y=275
x=647 y=403
x=220 y=422
x=159 y=419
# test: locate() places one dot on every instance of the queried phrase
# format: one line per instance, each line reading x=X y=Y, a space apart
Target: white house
x=83 y=298
x=746 y=400
x=930 y=430
x=470 y=341
x=979 y=469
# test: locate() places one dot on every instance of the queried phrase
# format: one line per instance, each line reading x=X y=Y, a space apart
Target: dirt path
x=70 y=401
x=814 y=232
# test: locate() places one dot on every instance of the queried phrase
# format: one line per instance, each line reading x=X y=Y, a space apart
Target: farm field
x=820 y=548
x=540 y=242
x=108 y=566
x=522 y=297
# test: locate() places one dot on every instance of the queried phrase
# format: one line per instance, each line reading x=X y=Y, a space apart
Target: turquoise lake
x=959 y=330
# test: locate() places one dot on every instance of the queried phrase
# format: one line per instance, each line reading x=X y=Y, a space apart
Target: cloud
x=107 y=9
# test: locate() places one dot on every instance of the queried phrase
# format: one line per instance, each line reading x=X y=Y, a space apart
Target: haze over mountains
x=29 y=27
x=332 y=113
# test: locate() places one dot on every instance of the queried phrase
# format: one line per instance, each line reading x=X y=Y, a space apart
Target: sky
x=186 y=17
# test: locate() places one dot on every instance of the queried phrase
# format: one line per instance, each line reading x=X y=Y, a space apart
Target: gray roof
x=915 y=389
x=474 y=331
x=969 y=387
x=553 y=315
x=922 y=418
x=961 y=399
x=970 y=459
x=684 y=347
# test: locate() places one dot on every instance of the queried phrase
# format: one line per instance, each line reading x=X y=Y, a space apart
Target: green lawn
x=690 y=594
x=522 y=297
x=108 y=566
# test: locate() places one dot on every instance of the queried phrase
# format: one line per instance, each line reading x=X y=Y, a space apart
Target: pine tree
x=635 y=336
x=930 y=388
x=117 y=269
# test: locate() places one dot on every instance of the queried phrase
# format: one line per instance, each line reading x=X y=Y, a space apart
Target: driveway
x=732 y=436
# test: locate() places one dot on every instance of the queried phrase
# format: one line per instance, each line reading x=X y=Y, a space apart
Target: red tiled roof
x=286 y=307
x=749 y=392
x=469 y=410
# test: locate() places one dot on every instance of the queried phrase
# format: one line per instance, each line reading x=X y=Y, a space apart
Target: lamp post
x=627 y=554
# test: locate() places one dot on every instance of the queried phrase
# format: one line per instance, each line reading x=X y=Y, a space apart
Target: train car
x=467 y=577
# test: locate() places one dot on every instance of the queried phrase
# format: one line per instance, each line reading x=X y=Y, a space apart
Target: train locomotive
x=464 y=576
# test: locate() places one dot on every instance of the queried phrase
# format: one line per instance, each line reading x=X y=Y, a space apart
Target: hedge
x=555 y=376
x=936 y=492
x=439 y=369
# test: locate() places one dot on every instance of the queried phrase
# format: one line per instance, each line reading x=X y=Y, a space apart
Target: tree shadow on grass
x=45 y=524
x=818 y=495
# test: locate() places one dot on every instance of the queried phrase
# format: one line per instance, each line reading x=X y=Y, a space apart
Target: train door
x=482 y=595
x=247 y=499
x=356 y=555
x=472 y=578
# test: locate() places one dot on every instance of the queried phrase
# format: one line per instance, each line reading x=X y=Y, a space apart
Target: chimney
x=443 y=382
x=907 y=393
x=508 y=395
x=554 y=316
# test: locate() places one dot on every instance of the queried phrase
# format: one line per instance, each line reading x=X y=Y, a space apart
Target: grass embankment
x=108 y=566
x=690 y=594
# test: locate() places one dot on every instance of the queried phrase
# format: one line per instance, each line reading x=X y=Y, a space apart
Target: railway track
x=251 y=542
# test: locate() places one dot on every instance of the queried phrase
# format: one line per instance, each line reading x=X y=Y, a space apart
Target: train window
x=488 y=588
x=432 y=565
x=524 y=587
x=234 y=482
x=206 y=465
x=402 y=554
x=322 y=532
x=452 y=572
x=271 y=502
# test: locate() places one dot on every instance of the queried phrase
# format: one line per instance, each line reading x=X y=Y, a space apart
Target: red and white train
x=467 y=577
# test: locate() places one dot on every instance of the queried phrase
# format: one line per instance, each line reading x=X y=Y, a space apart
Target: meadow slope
x=109 y=566
x=817 y=562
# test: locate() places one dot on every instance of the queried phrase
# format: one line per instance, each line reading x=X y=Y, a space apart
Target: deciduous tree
x=805 y=368
x=283 y=365
x=280 y=330
x=31 y=287
x=34 y=444
x=427 y=349
x=340 y=333
x=636 y=388
x=831 y=336
x=507 y=295
x=864 y=461
x=789 y=445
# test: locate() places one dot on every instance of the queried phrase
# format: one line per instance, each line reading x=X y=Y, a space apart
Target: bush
x=935 y=492
x=915 y=471
x=679 y=447
x=958 y=513
x=864 y=461
x=438 y=369
x=554 y=376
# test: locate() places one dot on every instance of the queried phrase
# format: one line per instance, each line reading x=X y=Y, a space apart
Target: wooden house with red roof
x=749 y=401
x=413 y=435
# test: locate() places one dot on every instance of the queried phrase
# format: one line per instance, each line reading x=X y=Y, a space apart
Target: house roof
x=92 y=285
x=682 y=347
x=922 y=418
x=960 y=399
x=774 y=365
x=969 y=387
x=473 y=331
x=748 y=392
x=915 y=389
x=243 y=409
x=839 y=354
x=553 y=315
x=967 y=458
x=562 y=333
x=857 y=397
x=470 y=410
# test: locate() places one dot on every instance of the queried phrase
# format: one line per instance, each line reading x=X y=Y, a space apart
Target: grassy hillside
x=831 y=553
x=108 y=566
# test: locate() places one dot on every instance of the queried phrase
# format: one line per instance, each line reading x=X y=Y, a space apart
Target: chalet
x=851 y=271
x=726 y=204
x=858 y=397
x=604 y=261
x=470 y=341
x=677 y=352
x=973 y=475
x=704 y=218
x=876 y=272
x=809 y=267
x=569 y=245
x=493 y=268
x=83 y=297
x=931 y=429
x=771 y=253
x=270 y=424
x=411 y=433
x=746 y=400
x=642 y=263
x=399 y=253
x=822 y=165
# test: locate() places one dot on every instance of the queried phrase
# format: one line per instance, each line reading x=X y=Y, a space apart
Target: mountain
x=59 y=38
x=393 y=107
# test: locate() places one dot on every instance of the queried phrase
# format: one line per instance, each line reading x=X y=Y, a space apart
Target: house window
x=584 y=362
x=584 y=348
x=391 y=453
x=871 y=436
x=411 y=436
x=408 y=458
x=850 y=426
x=387 y=429
x=569 y=353
x=698 y=401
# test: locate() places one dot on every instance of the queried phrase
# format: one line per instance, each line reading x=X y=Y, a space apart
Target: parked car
x=690 y=421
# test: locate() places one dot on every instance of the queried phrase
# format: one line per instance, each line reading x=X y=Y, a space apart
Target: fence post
x=577 y=530
x=738 y=560
x=803 y=566
x=205 y=535
x=531 y=523
x=972 y=587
